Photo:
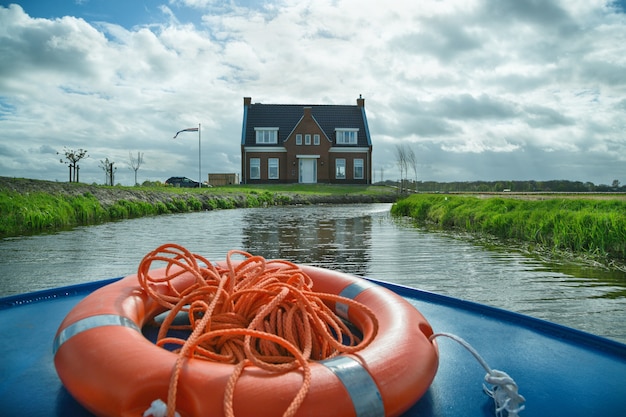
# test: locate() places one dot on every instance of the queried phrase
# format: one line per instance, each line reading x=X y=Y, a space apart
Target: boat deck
x=560 y=371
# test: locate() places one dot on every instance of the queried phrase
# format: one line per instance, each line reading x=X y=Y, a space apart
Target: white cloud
x=467 y=84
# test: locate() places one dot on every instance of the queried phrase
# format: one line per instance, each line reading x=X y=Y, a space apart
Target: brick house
x=296 y=143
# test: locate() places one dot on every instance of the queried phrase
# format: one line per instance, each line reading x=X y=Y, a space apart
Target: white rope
x=504 y=391
x=157 y=409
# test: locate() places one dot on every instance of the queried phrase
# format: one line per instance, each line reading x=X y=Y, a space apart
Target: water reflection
x=323 y=238
x=357 y=239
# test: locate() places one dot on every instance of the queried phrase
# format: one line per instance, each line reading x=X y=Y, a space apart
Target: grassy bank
x=32 y=206
x=587 y=226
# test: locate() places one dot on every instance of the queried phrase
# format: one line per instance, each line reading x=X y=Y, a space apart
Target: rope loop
x=504 y=391
x=253 y=312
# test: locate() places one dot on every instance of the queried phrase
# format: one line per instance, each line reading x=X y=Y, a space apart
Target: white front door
x=308 y=170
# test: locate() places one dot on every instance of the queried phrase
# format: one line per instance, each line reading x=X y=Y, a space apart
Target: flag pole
x=193 y=129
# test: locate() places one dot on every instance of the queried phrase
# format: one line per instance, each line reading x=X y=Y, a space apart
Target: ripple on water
x=358 y=239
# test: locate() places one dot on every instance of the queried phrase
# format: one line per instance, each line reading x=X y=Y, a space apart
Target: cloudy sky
x=479 y=89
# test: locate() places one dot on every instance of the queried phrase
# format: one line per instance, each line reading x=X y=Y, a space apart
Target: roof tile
x=286 y=116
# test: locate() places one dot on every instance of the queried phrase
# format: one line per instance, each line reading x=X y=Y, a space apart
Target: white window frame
x=298 y=139
x=307 y=139
x=273 y=169
x=358 y=165
x=316 y=139
x=266 y=135
x=347 y=136
x=340 y=168
x=255 y=168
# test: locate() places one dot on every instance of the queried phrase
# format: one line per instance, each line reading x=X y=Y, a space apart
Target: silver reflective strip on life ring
x=351 y=291
x=361 y=387
x=91 y=323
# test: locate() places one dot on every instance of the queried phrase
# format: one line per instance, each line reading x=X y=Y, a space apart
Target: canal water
x=358 y=239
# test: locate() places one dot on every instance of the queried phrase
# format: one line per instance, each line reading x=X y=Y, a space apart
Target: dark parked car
x=182 y=182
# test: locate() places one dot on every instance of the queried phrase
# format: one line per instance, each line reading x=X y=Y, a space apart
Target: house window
x=307 y=139
x=272 y=168
x=358 y=169
x=316 y=139
x=298 y=139
x=255 y=168
x=266 y=135
x=340 y=169
x=347 y=136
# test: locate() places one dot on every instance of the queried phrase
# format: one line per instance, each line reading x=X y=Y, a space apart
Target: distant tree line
x=406 y=160
x=503 y=186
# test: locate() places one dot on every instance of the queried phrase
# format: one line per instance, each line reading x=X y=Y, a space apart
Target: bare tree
x=412 y=162
x=107 y=167
x=135 y=163
x=73 y=157
x=401 y=160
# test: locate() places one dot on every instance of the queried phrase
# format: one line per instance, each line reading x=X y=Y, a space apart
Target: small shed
x=216 y=180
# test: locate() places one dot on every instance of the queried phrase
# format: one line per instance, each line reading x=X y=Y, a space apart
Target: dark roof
x=286 y=116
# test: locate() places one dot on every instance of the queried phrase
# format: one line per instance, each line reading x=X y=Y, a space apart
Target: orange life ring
x=109 y=367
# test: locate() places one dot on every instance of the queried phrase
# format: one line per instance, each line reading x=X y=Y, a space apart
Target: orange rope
x=254 y=313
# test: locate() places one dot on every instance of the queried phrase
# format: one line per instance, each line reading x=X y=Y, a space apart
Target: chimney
x=360 y=102
x=307 y=112
x=247 y=101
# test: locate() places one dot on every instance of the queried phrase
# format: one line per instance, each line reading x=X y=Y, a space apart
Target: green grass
x=23 y=213
x=61 y=205
x=580 y=225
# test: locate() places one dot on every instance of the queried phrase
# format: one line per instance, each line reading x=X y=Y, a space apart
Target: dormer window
x=347 y=136
x=266 y=135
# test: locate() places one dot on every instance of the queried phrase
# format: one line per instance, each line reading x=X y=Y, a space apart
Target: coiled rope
x=252 y=313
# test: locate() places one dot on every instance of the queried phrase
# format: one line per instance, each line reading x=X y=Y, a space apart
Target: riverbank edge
x=585 y=229
x=29 y=206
